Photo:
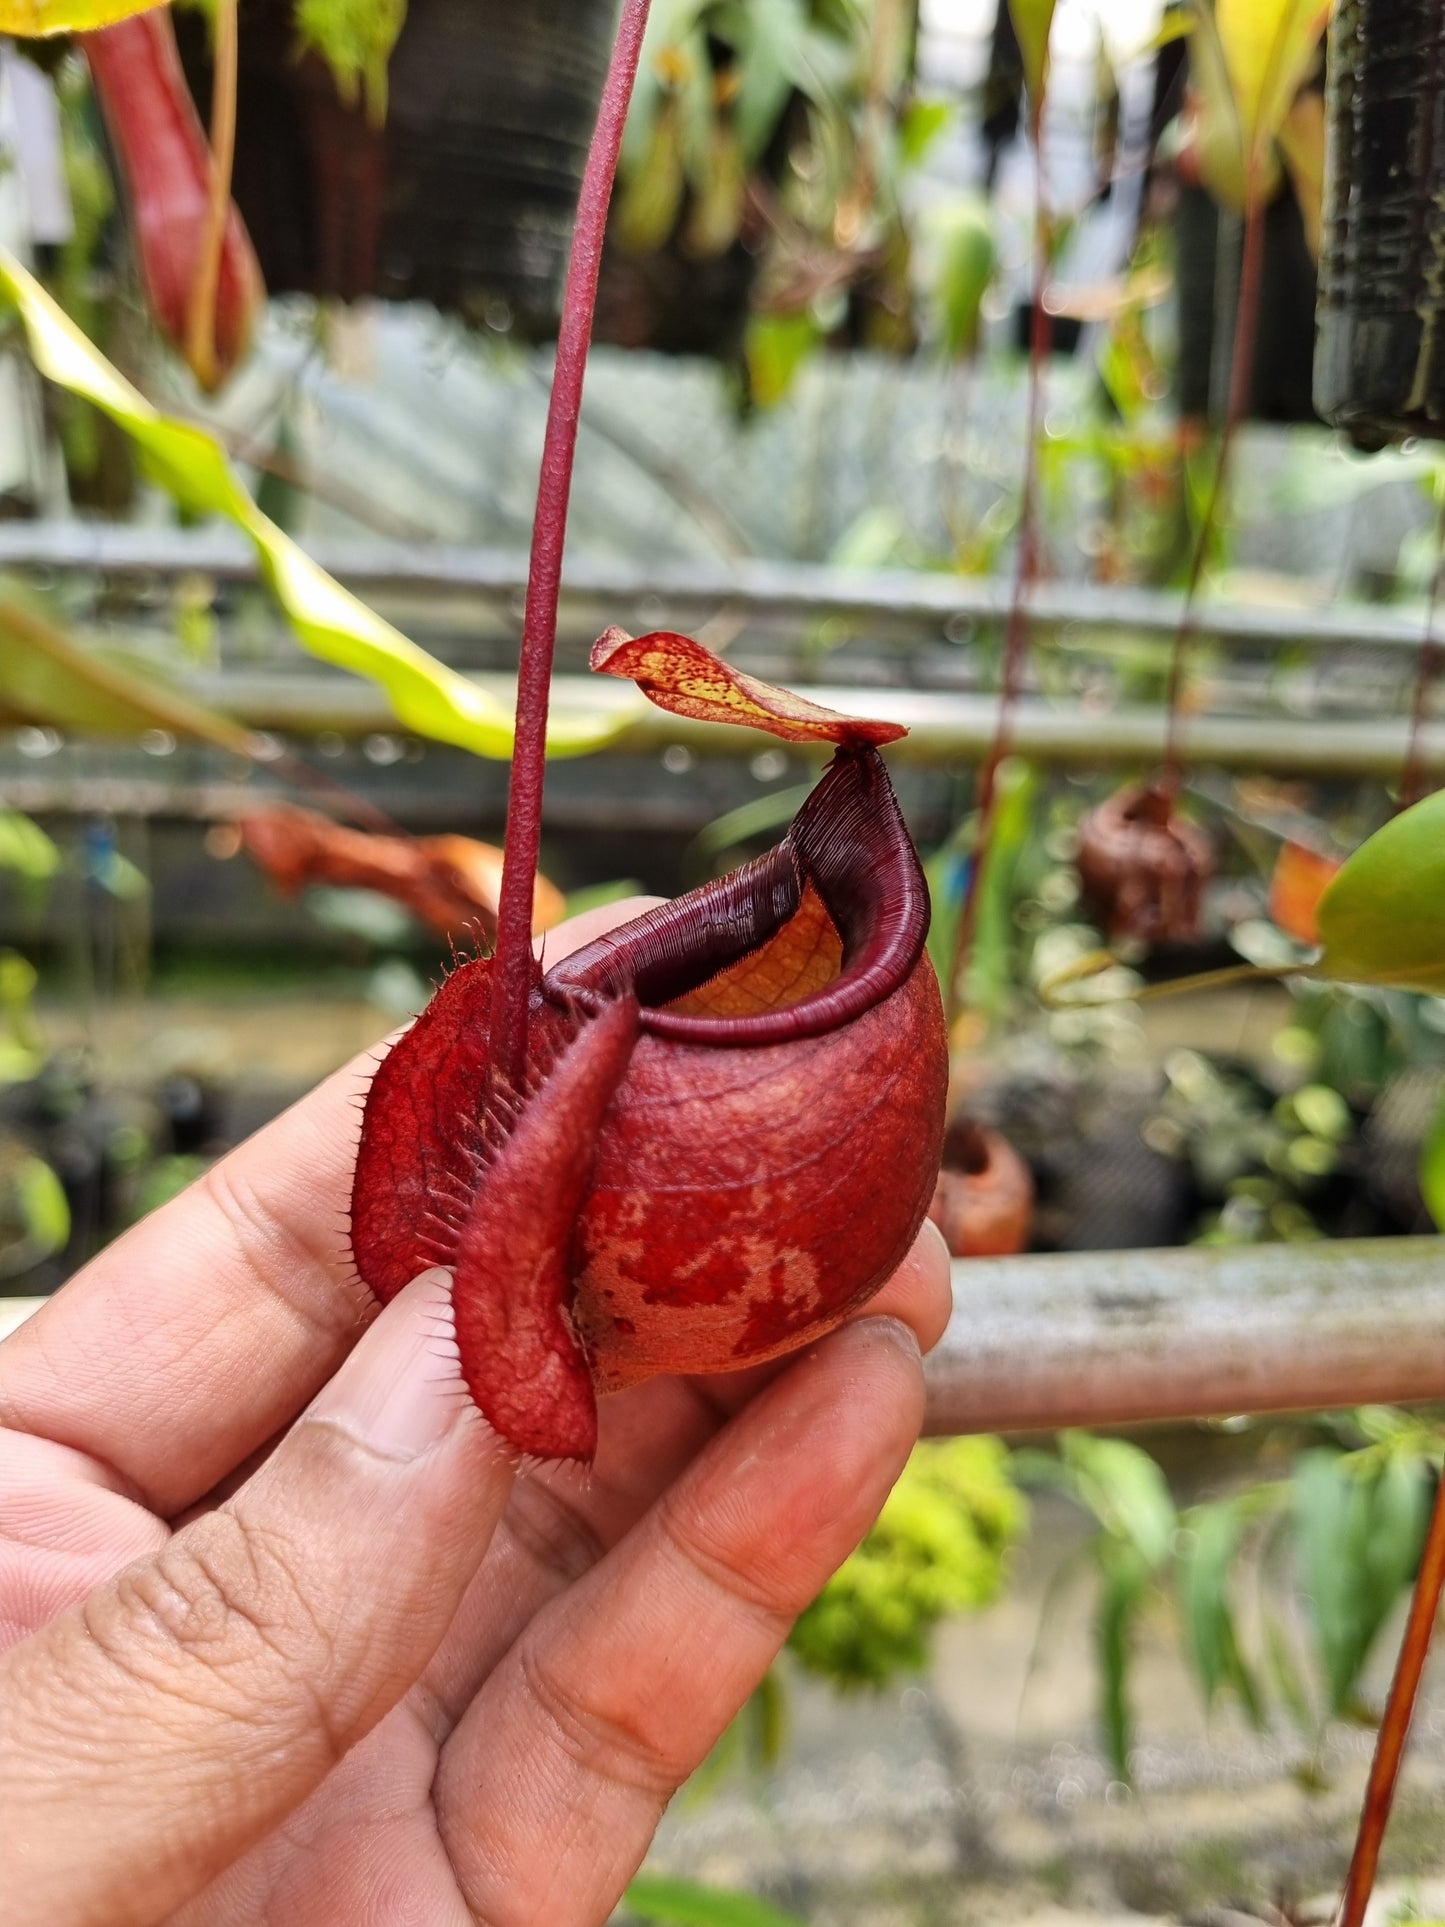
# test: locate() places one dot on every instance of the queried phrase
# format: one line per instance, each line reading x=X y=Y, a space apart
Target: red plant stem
x=512 y=970
x=1412 y=778
x=1395 y=1726
x=201 y=309
x=1015 y=646
x=1241 y=374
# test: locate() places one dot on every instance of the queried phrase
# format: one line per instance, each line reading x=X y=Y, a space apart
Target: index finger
x=203 y=1331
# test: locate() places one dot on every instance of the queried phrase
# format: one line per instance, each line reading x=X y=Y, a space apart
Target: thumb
x=159 y=1728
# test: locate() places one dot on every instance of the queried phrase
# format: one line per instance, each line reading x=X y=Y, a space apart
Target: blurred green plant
x=1263 y=1158
x=1127 y=1495
x=34 y=1214
x=940 y=1546
x=164 y=1178
x=792 y=127
x=355 y=38
x=26 y=852
x=189 y=465
x=21 y=1049
x=48 y=676
x=686 y=1904
x=1334 y=1547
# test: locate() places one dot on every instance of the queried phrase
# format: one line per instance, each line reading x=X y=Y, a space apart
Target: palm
x=382 y=1823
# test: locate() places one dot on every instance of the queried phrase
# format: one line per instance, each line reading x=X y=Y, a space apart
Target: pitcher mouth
x=848 y=849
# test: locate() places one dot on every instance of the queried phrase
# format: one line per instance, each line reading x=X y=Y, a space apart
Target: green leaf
x=775 y=348
x=355 y=38
x=427 y=696
x=1209 y=1625
x=780 y=50
x=1358 y=1530
x=759 y=817
x=25 y=850
x=1125 y=1490
x=17 y=983
x=683 y=1902
x=31 y=18
x=41 y=1207
x=47 y=676
x=1269 y=46
x=21 y=1052
x=1284 y=1675
x=1032 y=20
x=964 y=266
x=1124 y=1584
x=1248 y=59
x=919 y=126
x=1432 y=1168
x=1382 y=919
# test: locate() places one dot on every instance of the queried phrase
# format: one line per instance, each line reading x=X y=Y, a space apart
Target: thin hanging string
x=1241 y=376
x=1015 y=649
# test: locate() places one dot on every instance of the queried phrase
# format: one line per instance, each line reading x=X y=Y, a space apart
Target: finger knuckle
x=617 y=1744
x=283 y=1259
x=217 y=1619
x=552 y=1531
x=750 y=1575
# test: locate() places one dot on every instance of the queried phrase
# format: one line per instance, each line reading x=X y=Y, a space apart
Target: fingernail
x=395 y=1393
x=938 y=1238
x=869 y=1326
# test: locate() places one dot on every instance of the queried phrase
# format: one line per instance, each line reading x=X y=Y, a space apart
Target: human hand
x=291 y=1635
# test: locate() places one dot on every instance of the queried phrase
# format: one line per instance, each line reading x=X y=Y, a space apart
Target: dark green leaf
x=1432 y=1168
x=1359 y=1529
x=1204 y=1569
x=1285 y=1676
x=1124 y=1582
x=1210 y=1631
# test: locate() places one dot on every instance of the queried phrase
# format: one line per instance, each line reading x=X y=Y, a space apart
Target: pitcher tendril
x=544 y=574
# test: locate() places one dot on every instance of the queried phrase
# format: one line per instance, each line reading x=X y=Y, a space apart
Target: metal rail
x=1138 y=1337
x=1131 y=1337
x=887 y=601
x=947 y=728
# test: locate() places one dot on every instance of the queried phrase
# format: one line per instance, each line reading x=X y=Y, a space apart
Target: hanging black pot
x=463 y=197
x=1380 y=347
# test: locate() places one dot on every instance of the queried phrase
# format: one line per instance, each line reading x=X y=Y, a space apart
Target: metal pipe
x=1132 y=1337
x=886 y=601
x=947 y=728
